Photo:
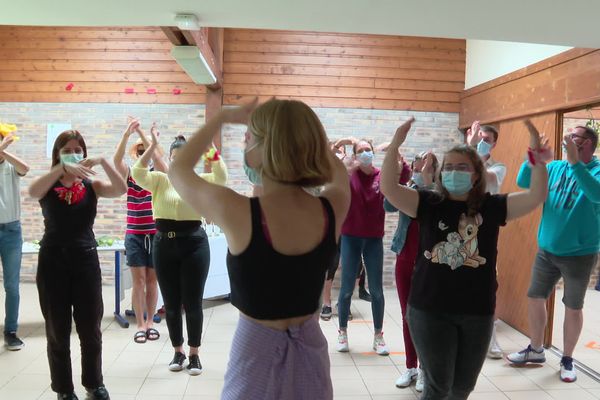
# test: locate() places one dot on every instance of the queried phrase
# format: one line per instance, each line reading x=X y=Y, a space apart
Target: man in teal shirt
x=568 y=241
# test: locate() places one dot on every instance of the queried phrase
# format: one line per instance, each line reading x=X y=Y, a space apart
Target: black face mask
x=140 y=152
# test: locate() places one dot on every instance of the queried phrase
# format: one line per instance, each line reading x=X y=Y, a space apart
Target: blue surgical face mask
x=72 y=158
x=457 y=183
x=417 y=178
x=253 y=175
x=483 y=148
x=365 y=158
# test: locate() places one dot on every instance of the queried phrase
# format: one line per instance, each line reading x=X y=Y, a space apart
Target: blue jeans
x=11 y=242
x=372 y=251
x=452 y=349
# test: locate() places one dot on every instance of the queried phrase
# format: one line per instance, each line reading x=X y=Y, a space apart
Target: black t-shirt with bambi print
x=456 y=264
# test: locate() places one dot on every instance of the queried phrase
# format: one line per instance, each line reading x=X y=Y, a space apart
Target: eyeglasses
x=574 y=135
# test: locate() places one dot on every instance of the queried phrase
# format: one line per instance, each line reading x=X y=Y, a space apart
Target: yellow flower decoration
x=7 y=130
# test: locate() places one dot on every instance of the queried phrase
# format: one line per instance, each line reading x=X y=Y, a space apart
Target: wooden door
x=517 y=245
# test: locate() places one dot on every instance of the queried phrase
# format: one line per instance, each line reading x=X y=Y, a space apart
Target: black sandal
x=140 y=337
x=152 y=334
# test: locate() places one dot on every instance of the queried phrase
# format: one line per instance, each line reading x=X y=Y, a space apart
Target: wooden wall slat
x=356 y=50
x=344 y=92
x=328 y=70
x=375 y=104
x=99 y=87
x=250 y=35
x=75 y=97
x=102 y=64
x=377 y=62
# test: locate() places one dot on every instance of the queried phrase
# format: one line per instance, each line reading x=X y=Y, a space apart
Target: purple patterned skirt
x=268 y=364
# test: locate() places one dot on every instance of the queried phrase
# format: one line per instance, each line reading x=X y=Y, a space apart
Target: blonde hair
x=295 y=148
x=134 y=147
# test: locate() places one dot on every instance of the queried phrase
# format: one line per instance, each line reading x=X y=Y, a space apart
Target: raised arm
x=338 y=191
x=115 y=187
x=119 y=157
x=20 y=166
x=140 y=173
x=521 y=203
x=158 y=156
x=402 y=197
x=213 y=201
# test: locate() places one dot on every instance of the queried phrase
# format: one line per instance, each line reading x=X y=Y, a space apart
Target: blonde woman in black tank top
x=294 y=231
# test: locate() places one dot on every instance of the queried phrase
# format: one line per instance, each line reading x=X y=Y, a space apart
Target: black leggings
x=181 y=265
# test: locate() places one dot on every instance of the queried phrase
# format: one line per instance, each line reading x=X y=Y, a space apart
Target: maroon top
x=366 y=215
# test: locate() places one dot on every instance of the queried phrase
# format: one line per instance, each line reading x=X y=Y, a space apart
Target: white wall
x=488 y=59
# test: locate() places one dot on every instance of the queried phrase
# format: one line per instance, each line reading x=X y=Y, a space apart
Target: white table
x=217 y=282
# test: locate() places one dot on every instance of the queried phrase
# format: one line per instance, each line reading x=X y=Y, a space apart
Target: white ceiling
x=570 y=23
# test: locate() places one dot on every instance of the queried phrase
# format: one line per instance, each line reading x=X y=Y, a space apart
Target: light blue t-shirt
x=10 y=199
x=570 y=224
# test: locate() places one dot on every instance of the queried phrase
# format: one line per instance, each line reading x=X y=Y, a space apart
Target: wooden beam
x=174 y=35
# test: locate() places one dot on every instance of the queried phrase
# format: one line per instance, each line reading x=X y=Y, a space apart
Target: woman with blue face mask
x=362 y=234
x=452 y=299
x=68 y=277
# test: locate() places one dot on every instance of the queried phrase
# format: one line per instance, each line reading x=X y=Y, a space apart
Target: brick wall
x=103 y=124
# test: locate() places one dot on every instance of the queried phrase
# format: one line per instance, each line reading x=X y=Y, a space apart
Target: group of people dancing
x=446 y=244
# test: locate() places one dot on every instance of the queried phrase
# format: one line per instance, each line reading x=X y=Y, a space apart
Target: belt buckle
x=171 y=234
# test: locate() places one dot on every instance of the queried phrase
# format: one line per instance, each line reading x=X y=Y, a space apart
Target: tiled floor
x=134 y=371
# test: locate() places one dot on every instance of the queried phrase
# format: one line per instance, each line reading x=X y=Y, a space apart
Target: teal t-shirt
x=570 y=224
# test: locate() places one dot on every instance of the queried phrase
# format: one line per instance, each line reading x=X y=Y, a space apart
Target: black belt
x=178 y=234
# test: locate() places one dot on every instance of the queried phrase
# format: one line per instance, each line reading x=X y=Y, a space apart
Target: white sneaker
x=420 y=385
x=494 y=351
x=567 y=370
x=528 y=355
x=407 y=377
x=342 y=344
x=379 y=345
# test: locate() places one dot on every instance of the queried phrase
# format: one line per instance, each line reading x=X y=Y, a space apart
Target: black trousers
x=182 y=265
x=69 y=284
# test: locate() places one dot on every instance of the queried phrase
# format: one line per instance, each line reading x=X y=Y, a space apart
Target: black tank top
x=69 y=223
x=266 y=284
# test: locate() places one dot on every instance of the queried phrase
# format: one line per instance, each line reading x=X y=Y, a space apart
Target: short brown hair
x=62 y=140
x=490 y=129
x=295 y=149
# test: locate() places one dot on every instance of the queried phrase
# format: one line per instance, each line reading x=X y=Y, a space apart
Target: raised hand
x=241 y=114
x=91 y=162
x=402 y=131
x=133 y=125
x=78 y=170
x=7 y=141
x=473 y=133
x=428 y=166
x=154 y=129
x=571 y=148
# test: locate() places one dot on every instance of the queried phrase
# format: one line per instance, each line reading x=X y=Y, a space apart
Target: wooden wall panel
x=518 y=240
x=567 y=80
x=342 y=70
x=100 y=63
